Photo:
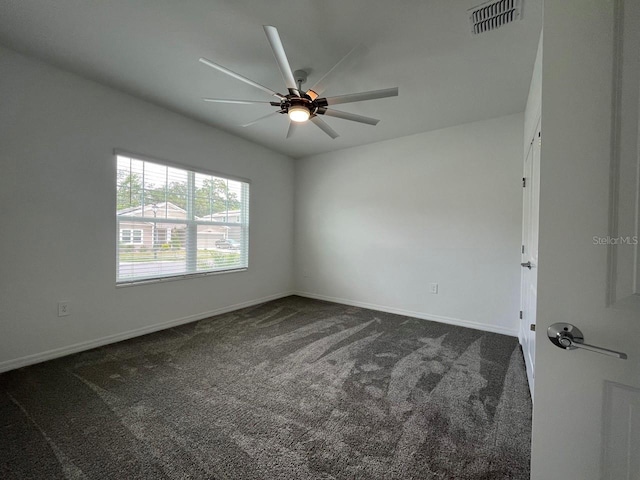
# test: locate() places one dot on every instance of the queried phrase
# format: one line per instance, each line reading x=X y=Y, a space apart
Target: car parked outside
x=228 y=243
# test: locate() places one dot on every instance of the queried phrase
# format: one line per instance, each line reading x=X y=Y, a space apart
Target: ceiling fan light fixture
x=299 y=114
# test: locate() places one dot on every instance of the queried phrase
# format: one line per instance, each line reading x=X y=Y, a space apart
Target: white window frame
x=191 y=223
x=132 y=236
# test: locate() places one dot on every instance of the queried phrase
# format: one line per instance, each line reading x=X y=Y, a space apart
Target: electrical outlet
x=64 y=308
x=433 y=288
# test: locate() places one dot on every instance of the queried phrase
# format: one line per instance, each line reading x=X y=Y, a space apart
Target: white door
x=586 y=418
x=529 y=257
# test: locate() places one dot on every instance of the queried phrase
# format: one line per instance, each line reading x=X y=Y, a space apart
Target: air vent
x=492 y=15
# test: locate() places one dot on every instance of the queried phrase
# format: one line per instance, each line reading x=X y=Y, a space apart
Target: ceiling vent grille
x=492 y=15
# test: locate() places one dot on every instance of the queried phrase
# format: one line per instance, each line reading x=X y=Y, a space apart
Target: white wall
x=374 y=225
x=57 y=213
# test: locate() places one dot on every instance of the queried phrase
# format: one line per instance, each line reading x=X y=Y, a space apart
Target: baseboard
x=118 y=337
x=424 y=316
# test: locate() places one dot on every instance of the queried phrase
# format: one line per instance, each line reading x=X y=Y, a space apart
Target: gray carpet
x=291 y=389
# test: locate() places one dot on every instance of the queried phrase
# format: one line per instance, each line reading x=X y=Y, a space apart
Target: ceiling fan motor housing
x=294 y=101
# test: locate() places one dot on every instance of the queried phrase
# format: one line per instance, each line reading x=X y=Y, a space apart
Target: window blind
x=176 y=222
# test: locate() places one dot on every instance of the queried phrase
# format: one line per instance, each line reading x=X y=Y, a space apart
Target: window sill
x=174 y=278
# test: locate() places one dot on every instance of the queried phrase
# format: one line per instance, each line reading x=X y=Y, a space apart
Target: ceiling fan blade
x=273 y=114
x=321 y=85
x=281 y=58
x=292 y=129
x=241 y=102
x=240 y=77
x=348 y=116
x=325 y=127
x=359 y=97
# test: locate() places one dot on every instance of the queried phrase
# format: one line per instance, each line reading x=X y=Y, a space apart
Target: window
x=130 y=237
x=175 y=222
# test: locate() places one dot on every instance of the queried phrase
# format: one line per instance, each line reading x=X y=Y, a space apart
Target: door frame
x=528 y=278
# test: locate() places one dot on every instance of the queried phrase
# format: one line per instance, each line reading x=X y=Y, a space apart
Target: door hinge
x=520 y=314
x=532 y=327
x=524 y=182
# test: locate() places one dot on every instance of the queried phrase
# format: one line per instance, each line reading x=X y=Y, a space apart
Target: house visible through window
x=176 y=222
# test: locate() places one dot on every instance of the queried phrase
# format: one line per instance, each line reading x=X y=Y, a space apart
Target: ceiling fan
x=302 y=105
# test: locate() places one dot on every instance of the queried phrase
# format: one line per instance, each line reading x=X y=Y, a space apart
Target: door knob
x=569 y=337
x=526 y=265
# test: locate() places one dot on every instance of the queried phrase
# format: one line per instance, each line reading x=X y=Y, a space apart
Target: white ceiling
x=150 y=48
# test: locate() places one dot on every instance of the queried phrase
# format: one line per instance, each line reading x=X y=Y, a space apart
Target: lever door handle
x=569 y=337
x=526 y=265
x=604 y=351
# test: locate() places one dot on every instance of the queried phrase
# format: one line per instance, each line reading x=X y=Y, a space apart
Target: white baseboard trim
x=424 y=316
x=118 y=337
